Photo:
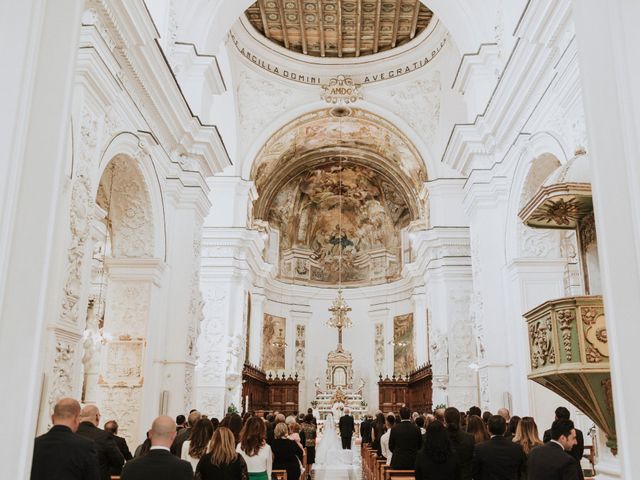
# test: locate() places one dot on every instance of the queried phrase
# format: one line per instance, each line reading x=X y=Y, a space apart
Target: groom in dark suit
x=347 y=428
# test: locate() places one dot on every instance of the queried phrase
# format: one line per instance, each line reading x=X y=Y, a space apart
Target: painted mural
x=404 y=360
x=340 y=221
x=273 y=335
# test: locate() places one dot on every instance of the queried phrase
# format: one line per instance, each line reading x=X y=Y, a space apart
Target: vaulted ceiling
x=339 y=28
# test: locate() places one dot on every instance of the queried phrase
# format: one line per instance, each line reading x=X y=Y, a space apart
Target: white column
x=257 y=318
x=129 y=369
x=419 y=299
x=610 y=73
x=34 y=122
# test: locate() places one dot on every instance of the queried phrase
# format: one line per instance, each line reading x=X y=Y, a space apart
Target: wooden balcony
x=569 y=354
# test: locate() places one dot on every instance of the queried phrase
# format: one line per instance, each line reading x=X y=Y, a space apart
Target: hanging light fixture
x=279 y=341
x=339 y=309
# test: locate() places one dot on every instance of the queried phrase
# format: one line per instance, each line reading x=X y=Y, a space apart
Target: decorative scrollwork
x=540 y=336
x=565 y=319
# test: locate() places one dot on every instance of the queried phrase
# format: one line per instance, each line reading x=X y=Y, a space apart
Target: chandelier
x=279 y=341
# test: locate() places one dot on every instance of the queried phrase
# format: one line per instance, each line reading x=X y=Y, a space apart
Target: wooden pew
x=278 y=475
x=399 y=474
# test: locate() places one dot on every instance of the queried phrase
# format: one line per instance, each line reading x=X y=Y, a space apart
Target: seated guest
x=222 y=462
x=404 y=442
x=112 y=427
x=498 y=457
x=286 y=453
x=310 y=429
x=196 y=447
x=462 y=443
x=159 y=463
x=378 y=429
x=437 y=460
x=109 y=456
x=527 y=437
x=60 y=454
x=384 y=440
x=477 y=428
x=577 y=450
x=254 y=449
x=185 y=433
x=553 y=460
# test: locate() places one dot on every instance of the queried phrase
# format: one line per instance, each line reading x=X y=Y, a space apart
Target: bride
x=329 y=450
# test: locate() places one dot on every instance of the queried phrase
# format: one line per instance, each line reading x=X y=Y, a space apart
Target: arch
x=133 y=158
x=206 y=23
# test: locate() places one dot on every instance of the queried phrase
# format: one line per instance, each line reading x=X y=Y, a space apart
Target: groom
x=347 y=428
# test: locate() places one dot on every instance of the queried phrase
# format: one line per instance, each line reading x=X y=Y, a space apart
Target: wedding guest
x=512 y=426
x=112 y=427
x=235 y=425
x=185 y=433
x=553 y=460
x=439 y=414
x=462 y=443
x=437 y=460
x=216 y=423
x=577 y=450
x=109 y=456
x=504 y=413
x=181 y=422
x=377 y=430
x=159 y=463
x=60 y=454
x=294 y=434
x=429 y=419
x=527 y=437
x=486 y=415
x=474 y=411
x=419 y=421
x=365 y=429
x=404 y=442
x=222 y=462
x=498 y=457
x=309 y=429
x=477 y=428
x=255 y=450
x=286 y=453
x=194 y=448
x=143 y=448
x=384 y=440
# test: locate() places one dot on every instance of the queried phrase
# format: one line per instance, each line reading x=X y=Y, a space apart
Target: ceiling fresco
x=339 y=191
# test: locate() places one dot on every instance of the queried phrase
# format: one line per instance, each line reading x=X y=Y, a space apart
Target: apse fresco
x=340 y=221
x=273 y=335
x=404 y=360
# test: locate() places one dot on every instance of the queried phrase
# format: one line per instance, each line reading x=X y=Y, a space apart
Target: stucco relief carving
x=379 y=347
x=188 y=388
x=123 y=405
x=211 y=401
x=538 y=243
x=541 y=342
x=260 y=102
x=63 y=365
x=565 y=318
x=440 y=357
x=123 y=363
x=300 y=350
x=477 y=321
x=128 y=308
x=211 y=356
x=463 y=353
x=419 y=104
x=595 y=333
x=130 y=208
x=234 y=354
x=484 y=389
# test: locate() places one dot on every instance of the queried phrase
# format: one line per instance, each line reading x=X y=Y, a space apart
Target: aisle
x=350 y=469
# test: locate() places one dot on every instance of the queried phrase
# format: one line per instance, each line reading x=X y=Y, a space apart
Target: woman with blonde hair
x=222 y=462
x=254 y=449
x=286 y=453
x=527 y=437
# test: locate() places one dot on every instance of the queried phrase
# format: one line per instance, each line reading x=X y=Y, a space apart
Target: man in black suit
x=365 y=429
x=552 y=461
x=109 y=457
x=347 y=427
x=60 y=454
x=577 y=451
x=185 y=434
x=405 y=440
x=112 y=427
x=159 y=464
x=497 y=458
x=461 y=442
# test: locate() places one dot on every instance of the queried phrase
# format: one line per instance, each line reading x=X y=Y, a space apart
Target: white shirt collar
x=557 y=443
x=159 y=447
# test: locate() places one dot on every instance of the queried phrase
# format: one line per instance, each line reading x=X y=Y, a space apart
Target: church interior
x=241 y=206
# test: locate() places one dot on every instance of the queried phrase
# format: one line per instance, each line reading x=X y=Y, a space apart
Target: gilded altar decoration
x=595 y=333
x=403 y=346
x=565 y=320
x=273 y=345
x=540 y=336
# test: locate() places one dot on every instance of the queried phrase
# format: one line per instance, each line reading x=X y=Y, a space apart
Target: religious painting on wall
x=404 y=360
x=273 y=343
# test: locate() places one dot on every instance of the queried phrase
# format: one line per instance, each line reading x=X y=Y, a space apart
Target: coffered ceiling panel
x=339 y=28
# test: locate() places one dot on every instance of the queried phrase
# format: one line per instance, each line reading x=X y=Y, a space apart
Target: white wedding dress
x=332 y=462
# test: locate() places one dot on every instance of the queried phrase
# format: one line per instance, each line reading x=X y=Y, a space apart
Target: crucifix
x=339 y=318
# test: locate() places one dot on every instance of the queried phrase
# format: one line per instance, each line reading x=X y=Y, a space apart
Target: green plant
x=440 y=405
x=231 y=409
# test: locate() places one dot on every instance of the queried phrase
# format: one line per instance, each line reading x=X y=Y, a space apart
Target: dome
x=575 y=170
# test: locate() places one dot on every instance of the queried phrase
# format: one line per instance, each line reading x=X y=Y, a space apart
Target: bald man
x=109 y=456
x=159 y=463
x=60 y=454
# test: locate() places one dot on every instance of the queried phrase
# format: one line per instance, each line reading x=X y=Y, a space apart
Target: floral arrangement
x=440 y=405
x=231 y=409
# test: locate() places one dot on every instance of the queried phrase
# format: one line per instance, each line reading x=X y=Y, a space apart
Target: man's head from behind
x=66 y=412
x=563 y=432
x=163 y=431
x=562 y=413
x=504 y=413
x=497 y=425
x=452 y=418
x=111 y=426
x=91 y=414
x=193 y=418
x=405 y=413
